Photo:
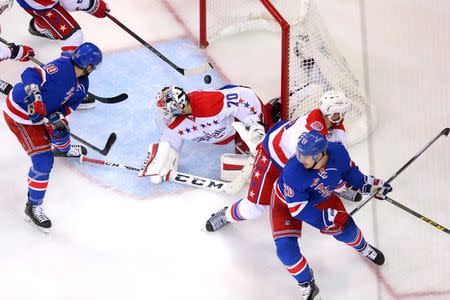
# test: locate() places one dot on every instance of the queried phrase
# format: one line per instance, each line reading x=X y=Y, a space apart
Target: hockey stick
x=184 y=72
x=109 y=143
x=444 y=132
x=108 y=100
x=183 y=178
x=5 y=87
x=416 y=214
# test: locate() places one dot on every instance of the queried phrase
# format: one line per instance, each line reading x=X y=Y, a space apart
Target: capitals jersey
x=38 y=4
x=5 y=53
x=43 y=5
x=281 y=140
x=60 y=89
x=212 y=115
x=303 y=189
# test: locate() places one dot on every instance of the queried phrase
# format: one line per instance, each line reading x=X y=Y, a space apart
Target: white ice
x=118 y=238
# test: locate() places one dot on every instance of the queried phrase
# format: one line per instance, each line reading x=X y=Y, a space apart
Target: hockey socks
x=37 y=186
x=288 y=251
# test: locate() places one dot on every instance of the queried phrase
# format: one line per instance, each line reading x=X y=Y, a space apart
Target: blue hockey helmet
x=87 y=54
x=311 y=143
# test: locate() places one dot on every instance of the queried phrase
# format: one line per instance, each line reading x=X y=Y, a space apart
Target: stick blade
x=109 y=143
x=110 y=100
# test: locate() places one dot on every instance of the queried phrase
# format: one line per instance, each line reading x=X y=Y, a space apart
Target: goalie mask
x=171 y=102
x=5 y=5
x=334 y=102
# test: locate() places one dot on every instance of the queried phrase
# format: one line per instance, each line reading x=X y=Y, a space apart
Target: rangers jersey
x=212 y=115
x=303 y=189
x=281 y=140
x=61 y=90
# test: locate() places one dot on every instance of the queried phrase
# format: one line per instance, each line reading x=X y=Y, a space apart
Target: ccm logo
x=198 y=181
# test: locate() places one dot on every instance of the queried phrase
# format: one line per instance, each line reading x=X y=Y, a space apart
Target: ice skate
x=74 y=151
x=45 y=34
x=372 y=253
x=35 y=216
x=87 y=103
x=350 y=195
x=217 y=220
x=309 y=291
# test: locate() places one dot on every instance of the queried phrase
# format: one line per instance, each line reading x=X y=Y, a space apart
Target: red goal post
x=310 y=63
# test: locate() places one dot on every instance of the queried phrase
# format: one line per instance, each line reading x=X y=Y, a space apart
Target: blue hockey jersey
x=304 y=189
x=61 y=90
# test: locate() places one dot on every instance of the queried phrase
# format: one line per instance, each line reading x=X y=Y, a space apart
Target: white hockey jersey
x=281 y=140
x=212 y=115
x=5 y=52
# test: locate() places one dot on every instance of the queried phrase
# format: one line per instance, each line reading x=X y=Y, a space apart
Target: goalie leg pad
x=161 y=158
x=231 y=165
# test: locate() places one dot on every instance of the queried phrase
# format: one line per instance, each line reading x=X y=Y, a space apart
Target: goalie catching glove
x=161 y=159
x=251 y=131
x=378 y=186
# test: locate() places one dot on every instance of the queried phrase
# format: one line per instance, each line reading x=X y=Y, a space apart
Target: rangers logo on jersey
x=288 y=191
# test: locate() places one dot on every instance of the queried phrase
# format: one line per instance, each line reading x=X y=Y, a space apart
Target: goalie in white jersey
x=204 y=117
x=278 y=146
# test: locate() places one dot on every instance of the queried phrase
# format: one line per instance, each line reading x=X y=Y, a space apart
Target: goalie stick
x=184 y=72
x=444 y=132
x=183 y=178
x=107 y=100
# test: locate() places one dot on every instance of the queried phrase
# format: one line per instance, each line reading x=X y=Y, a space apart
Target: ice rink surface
x=116 y=236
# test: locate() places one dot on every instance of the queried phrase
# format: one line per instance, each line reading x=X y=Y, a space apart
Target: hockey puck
x=207 y=79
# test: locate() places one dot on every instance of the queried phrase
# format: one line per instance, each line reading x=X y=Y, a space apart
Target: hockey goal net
x=310 y=63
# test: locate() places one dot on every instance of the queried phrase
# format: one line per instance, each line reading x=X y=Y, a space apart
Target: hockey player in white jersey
x=278 y=146
x=204 y=117
x=16 y=52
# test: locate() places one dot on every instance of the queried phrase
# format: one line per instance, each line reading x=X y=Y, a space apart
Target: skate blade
x=44 y=230
x=84 y=106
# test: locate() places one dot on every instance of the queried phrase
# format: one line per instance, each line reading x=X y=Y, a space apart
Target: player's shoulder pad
x=315 y=121
x=206 y=104
x=294 y=173
x=338 y=152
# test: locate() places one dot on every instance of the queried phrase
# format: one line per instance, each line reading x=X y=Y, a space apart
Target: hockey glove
x=57 y=125
x=334 y=221
x=21 y=53
x=36 y=108
x=378 y=186
x=98 y=8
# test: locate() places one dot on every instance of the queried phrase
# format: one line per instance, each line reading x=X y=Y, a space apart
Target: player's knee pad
x=73 y=40
x=43 y=162
x=244 y=209
x=350 y=231
x=288 y=250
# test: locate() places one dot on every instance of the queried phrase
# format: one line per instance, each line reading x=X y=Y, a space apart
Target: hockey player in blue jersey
x=304 y=193
x=36 y=110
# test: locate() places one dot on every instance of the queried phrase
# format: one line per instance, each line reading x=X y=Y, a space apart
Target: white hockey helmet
x=171 y=101
x=5 y=5
x=334 y=102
